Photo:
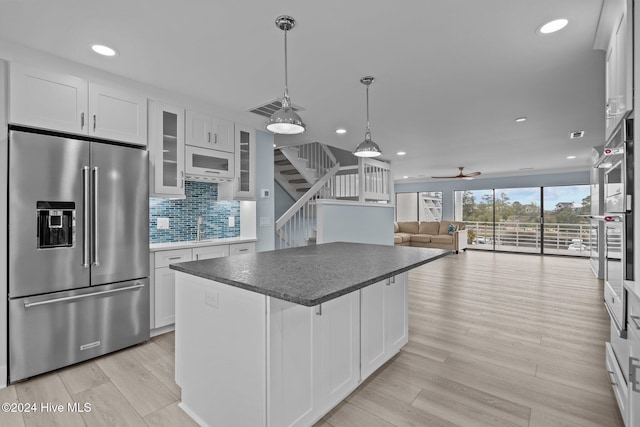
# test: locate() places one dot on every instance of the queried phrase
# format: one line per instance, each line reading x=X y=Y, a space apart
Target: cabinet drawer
x=618 y=382
x=208 y=252
x=614 y=302
x=164 y=258
x=243 y=248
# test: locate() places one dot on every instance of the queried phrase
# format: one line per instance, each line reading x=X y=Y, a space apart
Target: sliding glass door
x=567 y=229
x=551 y=220
x=517 y=220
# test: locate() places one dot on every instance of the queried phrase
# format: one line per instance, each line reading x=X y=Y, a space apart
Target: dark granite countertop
x=311 y=275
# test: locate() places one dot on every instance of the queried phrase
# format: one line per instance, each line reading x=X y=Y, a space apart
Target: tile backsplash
x=201 y=200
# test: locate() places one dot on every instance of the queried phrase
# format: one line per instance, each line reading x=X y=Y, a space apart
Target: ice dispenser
x=56 y=224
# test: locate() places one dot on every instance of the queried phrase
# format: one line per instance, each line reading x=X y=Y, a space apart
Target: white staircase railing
x=377 y=184
x=296 y=227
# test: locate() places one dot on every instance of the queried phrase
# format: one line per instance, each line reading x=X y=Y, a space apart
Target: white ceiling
x=451 y=76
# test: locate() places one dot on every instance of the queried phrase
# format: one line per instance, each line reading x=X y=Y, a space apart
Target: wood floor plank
x=108 y=407
x=143 y=390
x=47 y=392
x=170 y=416
x=11 y=417
x=83 y=376
x=352 y=416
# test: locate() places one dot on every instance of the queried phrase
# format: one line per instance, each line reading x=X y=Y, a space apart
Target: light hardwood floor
x=495 y=340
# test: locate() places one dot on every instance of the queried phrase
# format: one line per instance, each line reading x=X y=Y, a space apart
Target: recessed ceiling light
x=104 y=50
x=521 y=119
x=341 y=131
x=571 y=157
x=553 y=26
x=405 y=177
x=401 y=153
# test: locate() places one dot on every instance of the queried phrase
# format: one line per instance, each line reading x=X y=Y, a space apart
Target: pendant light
x=367 y=148
x=285 y=120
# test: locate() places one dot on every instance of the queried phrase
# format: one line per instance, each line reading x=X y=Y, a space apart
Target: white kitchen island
x=279 y=338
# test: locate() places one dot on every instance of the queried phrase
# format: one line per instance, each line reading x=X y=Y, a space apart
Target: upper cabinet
x=204 y=130
x=65 y=103
x=166 y=146
x=615 y=36
x=245 y=185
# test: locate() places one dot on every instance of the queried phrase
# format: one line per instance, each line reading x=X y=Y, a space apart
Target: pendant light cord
x=368 y=130
x=286 y=77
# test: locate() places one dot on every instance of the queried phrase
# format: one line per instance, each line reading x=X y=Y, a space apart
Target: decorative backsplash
x=201 y=200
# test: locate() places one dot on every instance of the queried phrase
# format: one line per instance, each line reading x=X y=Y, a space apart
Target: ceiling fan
x=470 y=175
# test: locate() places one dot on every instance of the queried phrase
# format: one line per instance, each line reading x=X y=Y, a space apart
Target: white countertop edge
x=154 y=247
x=633 y=287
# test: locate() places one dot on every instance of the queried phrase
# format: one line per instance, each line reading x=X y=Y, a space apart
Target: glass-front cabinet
x=245 y=154
x=168 y=149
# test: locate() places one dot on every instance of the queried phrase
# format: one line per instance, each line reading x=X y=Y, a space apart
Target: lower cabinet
x=314 y=356
x=163 y=278
x=384 y=317
x=277 y=363
x=633 y=413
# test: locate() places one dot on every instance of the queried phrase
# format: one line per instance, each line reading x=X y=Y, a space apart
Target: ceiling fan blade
x=443 y=177
x=472 y=174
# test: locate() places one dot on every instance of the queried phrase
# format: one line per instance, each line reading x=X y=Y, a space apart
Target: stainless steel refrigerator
x=78 y=250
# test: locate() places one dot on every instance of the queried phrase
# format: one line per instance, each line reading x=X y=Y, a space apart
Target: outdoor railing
x=566 y=239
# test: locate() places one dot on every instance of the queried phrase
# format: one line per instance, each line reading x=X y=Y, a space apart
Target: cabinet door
x=209 y=252
x=206 y=131
x=294 y=385
x=396 y=314
x=198 y=129
x=610 y=89
x=223 y=137
x=47 y=100
x=634 y=379
x=242 y=248
x=372 y=328
x=624 y=61
x=165 y=296
x=167 y=147
x=117 y=114
x=245 y=186
x=339 y=347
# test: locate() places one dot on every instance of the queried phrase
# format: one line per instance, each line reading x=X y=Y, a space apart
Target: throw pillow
x=452 y=228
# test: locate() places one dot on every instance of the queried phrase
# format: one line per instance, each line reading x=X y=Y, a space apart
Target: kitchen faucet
x=199 y=233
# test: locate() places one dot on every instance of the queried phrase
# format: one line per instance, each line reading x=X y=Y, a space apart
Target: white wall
x=4 y=176
x=448 y=187
x=340 y=221
x=265 y=181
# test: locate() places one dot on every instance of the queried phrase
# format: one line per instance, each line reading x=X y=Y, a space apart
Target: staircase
x=297 y=168
x=310 y=172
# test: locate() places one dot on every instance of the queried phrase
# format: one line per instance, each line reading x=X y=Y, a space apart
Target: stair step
x=282 y=162
x=290 y=172
x=298 y=181
x=303 y=190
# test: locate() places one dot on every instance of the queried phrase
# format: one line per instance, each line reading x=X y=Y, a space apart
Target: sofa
x=450 y=235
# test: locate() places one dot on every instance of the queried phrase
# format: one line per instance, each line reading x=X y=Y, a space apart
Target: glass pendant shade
x=367 y=148
x=285 y=121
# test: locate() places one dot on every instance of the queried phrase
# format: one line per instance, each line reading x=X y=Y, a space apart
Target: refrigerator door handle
x=96 y=257
x=76 y=297
x=85 y=209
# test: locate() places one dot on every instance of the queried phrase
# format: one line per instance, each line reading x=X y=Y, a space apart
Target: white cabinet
x=166 y=129
x=384 y=317
x=47 y=100
x=245 y=182
x=163 y=278
x=209 y=252
x=634 y=379
x=293 y=370
x=117 y=114
x=204 y=130
x=210 y=164
x=314 y=355
x=56 y=101
x=619 y=65
x=242 y=248
x=165 y=285
x=339 y=348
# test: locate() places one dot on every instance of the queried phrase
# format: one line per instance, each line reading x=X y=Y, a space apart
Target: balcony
x=559 y=239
